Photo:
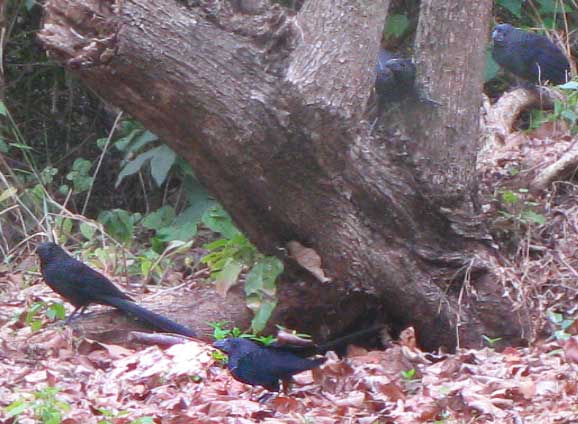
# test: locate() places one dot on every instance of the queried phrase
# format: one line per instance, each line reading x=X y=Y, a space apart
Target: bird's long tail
x=349 y=338
x=149 y=317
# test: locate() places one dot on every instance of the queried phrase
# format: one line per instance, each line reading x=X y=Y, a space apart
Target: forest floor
x=52 y=376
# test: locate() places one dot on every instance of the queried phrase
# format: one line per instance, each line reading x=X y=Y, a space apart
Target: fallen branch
x=562 y=169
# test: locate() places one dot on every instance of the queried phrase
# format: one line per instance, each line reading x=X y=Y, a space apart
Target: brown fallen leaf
x=528 y=388
x=571 y=350
x=308 y=259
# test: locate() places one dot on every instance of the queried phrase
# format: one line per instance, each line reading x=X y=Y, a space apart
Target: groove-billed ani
x=394 y=77
x=81 y=285
x=529 y=56
x=264 y=365
x=394 y=80
x=259 y=365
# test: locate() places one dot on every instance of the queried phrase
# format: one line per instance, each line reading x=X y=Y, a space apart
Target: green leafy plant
x=159 y=158
x=396 y=25
x=80 y=176
x=230 y=255
x=491 y=342
x=112 y=416
x=409 y=375
x=561 y=324
x=45 y=406
x=220 y=332
x=519 y=208
x=50 y=311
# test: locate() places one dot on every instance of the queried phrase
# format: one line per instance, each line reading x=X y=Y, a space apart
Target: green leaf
x=184 y=226
x=29 y=4
x=534 y=217
x=510 y=197
x=143 y=420
x=570 y=115
x=101 y=142
x=118 y=223
x=218 y=220
x=552 y=6
x=140 y=140
x=409 y=374
x=160 y=218
x=396 y=25
x=9 y=192
x=4 y=147
x=227 y=276
x=56 y=311
x=513 y=6
x=263 y=275
x=135 y=140
x=82 y=165
x=87 y=230
x=16 y=408
x=3 y=110
x=161 y=163
x=133 y=166
x=555 y=317
x=262 y=315
x=491 y=69
x=35 y=325
x=571 y=85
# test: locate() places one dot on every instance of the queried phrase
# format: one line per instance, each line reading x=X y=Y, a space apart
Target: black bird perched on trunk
x=394 y=77
x=394 y=80
x=81 y=285
x=529 y=56
x=259 y=365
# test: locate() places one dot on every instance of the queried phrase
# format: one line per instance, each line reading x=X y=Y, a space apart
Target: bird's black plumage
x=81 y=285
x=264 y=365
x=529 y=56
x=394 y=77
x=259 y=365
x=394 y=81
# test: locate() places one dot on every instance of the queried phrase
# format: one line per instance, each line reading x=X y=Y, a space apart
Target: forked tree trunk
x=268 y=108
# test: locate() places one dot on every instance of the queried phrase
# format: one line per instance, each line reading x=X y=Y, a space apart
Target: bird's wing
x=90 y=281
x=281 y=364
x=252 y=368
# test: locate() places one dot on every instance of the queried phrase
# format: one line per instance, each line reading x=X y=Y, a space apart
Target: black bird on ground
x=529 y=56
x=81 y=285
x=257 y=364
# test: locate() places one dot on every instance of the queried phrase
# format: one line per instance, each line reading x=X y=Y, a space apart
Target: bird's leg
x=71 y=315
x=81 y=308
x=266 y=397
x=286 y=383
x=424 y=98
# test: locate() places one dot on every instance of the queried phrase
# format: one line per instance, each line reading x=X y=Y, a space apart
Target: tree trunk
x=268 y=110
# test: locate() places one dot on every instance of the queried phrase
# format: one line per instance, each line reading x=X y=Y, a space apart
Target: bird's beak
x=220 y=344
x=497 y=36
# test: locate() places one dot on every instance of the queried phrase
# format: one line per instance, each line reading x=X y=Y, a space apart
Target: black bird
x=81 y=285
x=529 y=56
x=259 y=365
x=394 y=81
x=256 y=364
x=394 y=77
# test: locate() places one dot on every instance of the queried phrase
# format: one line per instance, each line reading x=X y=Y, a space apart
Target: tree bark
x=279 y=139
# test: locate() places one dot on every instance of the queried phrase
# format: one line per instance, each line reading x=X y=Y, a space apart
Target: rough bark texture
x=278 y=139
